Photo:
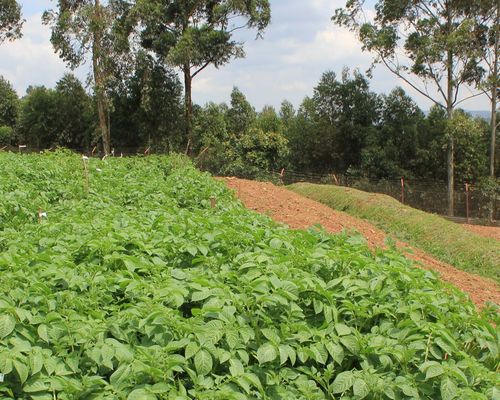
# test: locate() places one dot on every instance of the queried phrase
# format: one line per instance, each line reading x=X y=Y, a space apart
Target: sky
x=300 y=44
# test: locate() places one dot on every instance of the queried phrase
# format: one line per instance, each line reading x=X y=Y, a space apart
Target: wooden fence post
x=402 y=190
x=467 y=202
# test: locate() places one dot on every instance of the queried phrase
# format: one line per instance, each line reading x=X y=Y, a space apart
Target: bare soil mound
x=301 y=213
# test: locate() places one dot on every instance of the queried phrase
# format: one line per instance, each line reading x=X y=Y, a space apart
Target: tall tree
x=241 y=115
x=422 y=39
x=193 y=34
x=9 y=104
x=80 y=27
x=488 y=38
x=10 y=20
x=76 y=114
x=9 y=108
x=38 y=118
x=349 y=111
x=147 y=107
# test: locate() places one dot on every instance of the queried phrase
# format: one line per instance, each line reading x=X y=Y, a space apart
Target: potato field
x=143 y=278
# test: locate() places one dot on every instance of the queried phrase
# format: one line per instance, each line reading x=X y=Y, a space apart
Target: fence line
x=424 y=194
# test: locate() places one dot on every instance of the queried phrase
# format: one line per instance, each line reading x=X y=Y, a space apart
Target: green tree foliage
x=9 y=104
x=287 y=113
x=391 y=151
x=310 y=140
x=10 y=20
x=147 y=107
x=351 y=109
x=76 y=116
x=236 y=140
x=63 y=116
x=241 y=115
x=193 y=34
x=38 y=119
x=429 y=40
x=431 y=154
x=268 y=120
x=470 y=135
x=332 y=127
x=488 y=39
x=86 y=27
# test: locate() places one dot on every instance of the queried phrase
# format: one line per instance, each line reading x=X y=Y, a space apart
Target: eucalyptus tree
x=488 y=38
x=426 y=43
x=194 y=34
x=11 y=21
x=83 y=29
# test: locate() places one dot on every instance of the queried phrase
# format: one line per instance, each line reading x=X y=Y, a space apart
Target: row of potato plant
x=136 y=287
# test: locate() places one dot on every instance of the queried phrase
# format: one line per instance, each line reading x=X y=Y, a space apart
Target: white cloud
x=329 y=45
x=31 y=60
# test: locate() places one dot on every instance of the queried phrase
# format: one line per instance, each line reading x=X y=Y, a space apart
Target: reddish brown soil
x=299 y=212
x=486 y=231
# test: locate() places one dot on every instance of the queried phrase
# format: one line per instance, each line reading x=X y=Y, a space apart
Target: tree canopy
x=193 y=34
x=11 y=21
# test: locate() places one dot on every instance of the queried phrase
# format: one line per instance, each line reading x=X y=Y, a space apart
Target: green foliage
x=192 y=35
x=391 y=151
x=445 y=240
x=472 y=145
x=196 y=33
x=75 y=114
x=5 y=135
x=83 y=29
x=238 y=141
x=9 y=104
x=139 y=289
x=10 y=20
x=435 y=38
x=241 y=115
x=63 y=116
x=490 y=188
x=147 y=107
x=38 y=119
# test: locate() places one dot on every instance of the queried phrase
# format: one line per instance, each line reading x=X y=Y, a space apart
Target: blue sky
x=300 y=44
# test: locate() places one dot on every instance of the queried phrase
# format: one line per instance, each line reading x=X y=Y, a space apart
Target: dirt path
x=486 y=231
x=300 y=213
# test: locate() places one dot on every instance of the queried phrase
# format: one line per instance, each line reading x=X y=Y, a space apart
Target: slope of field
x=300 y=212
x=443 y=239
x=151 y=281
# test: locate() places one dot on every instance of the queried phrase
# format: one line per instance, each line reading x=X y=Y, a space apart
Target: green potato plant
x=142 y=288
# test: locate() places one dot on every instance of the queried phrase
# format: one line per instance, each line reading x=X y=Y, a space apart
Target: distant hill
x=482 y=114
x=478 y=113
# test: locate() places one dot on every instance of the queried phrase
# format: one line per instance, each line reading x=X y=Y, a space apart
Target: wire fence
x=431 y=196
x=471 y=205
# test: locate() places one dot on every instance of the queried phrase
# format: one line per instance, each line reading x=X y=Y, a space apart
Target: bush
x=6 y=133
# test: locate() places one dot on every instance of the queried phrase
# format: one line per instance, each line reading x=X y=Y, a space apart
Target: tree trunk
x=451 y=139
x=494 y=97
x=99 y=83
x=188 y=106
x=494 y=123
x=494 y=102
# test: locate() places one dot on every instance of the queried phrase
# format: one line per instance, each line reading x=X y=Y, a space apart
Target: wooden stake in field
x=335 y=180
x=467 y=202
x=85 y=159
x=403 y=190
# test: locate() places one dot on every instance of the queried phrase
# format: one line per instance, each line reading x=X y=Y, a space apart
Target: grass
x=443 y=239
